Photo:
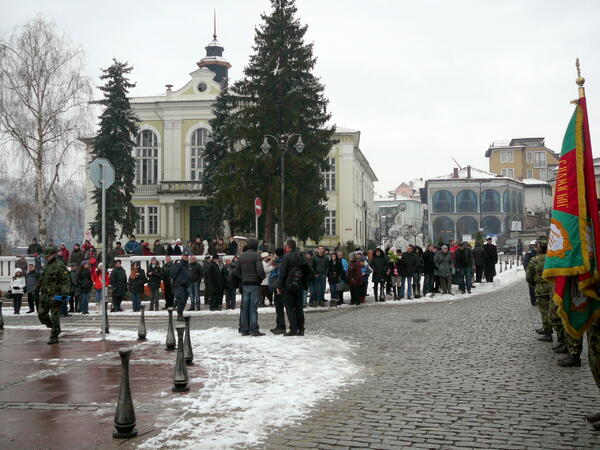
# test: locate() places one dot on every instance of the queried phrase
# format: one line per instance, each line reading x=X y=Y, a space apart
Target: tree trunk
x=42 y=213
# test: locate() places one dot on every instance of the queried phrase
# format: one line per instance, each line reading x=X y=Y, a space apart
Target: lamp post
x=283 y=142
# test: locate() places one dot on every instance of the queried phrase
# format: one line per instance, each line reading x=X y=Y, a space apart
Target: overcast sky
x=423 y=81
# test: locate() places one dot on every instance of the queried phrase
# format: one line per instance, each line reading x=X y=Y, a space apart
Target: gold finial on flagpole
x=580 y=80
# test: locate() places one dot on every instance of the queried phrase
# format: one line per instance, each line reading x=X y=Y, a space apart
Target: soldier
x=593 y=337
x=543 y=289
x=54 y=281
x=566 y=342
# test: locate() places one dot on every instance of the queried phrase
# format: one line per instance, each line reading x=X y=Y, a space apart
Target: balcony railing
x=180 y=187
x=146 y=190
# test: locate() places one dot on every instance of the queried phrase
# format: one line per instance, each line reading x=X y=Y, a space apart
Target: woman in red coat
x=355 y=279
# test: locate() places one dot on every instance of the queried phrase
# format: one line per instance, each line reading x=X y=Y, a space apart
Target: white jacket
x=268 y=269
x=17 y=285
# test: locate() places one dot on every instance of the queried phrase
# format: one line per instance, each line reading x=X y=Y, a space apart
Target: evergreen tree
x=278 y=94
x=118 y=124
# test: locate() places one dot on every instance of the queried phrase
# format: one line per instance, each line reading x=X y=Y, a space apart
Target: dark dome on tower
x=214 y=60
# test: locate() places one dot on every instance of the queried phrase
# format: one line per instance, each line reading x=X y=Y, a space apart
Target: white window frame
x=508 y=172
x=506 y=156
x=529 y=157
x=197 y=162
x=140 y=149
x=330 y=223
x=544 y=174
x=329 y=176
x=529 y=173
x=538 y=163
x=188 y=148
x=148 y=223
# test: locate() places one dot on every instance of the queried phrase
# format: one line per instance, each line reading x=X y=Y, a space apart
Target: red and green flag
x=573 y=244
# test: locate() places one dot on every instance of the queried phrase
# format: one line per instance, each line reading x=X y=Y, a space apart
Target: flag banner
x=571 y=261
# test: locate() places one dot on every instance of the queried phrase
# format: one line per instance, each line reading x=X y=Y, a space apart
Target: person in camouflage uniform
x=543 y=289
x=593 y=338
x=55 y=280
x=566 y=342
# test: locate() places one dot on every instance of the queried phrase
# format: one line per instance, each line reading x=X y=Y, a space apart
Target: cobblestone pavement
x=459 y=374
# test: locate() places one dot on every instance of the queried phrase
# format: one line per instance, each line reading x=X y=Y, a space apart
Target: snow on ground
x=251 y=385
x=500 y=280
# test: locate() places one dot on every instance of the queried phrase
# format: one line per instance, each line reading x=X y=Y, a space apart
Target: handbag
x=9 y=294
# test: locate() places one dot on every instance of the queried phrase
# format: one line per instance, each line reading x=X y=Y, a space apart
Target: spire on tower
x=215 y=24
x=214 y=55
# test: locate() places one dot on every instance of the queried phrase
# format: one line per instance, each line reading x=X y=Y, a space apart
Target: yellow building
x=522 y=158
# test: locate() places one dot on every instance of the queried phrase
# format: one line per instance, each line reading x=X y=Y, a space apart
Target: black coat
x=84 y=280
x=336 y=272
x=154 y=276
x=428 y=262
x=479 y=256
x=118 y=281
x=215 y=279
x=379 y=266
x=411 y=262
x=463 y=258
x=491 y=254
x=196 y=272
x=136 y=285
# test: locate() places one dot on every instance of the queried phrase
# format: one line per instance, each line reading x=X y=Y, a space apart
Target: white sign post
x=102 y=174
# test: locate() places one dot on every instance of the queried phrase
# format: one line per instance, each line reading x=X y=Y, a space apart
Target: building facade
x=174 y=128
x=471 y=200
x=522 y=158
x=349 y=182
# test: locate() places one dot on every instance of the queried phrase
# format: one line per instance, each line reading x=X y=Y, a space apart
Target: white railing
x=146 y=190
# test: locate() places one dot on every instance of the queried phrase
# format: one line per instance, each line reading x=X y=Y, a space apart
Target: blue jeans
x=466 y=278
x=333 y=290
x=428 y=284
x=135 y=299
x=84 y=299
x=249 y=313
x=319 y=283
x=304 y=298
x=98 y=296
x=406 y=280
x=195 y=295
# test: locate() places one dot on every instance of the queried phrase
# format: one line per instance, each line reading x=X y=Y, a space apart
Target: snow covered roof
x=475 y=173
x=534 y=181
x=339 y=130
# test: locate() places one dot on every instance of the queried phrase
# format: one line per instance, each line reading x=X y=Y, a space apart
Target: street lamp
x=283 y=142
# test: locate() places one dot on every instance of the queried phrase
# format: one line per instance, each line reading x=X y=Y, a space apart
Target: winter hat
x=17 y=270
x=444 y=247
x=264 y=254
x=84 y=262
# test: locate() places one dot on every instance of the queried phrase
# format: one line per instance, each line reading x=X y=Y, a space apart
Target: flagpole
x=580 y=80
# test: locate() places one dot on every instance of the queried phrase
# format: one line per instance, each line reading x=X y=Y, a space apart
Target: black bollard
x=107 y=329
x=1 y=318
x=142 y=327
x=180 y=375
x=125 y=415
x=170 y=344
x=187 y=343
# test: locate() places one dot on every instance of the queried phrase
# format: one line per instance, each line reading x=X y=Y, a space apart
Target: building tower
x=214 y=60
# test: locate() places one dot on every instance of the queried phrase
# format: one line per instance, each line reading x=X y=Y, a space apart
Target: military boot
x=540 y=331
x=52 y=340
x=545 y=338
x=593 y=417
x=570 y=361
x=560 y=348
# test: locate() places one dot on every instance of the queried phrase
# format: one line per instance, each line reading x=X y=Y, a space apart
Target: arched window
x=146 y=155
x=490 y=225
x=506 y=201
x=466 y=201
x=197 y=160
x=466 y=225
x=490 y=201
x=443 y=202
x=443 y=229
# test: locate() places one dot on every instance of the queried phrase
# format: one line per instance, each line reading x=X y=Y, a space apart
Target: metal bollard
x=142 y=327
x=170 y=344
x=125 y=414
x=187 y=343
x=1 y=317
x=180 y=375
x=107 y=329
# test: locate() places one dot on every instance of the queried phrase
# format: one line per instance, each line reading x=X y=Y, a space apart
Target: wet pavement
x=64 y=396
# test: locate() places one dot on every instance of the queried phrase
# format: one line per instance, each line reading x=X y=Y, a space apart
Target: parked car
x=510 y=246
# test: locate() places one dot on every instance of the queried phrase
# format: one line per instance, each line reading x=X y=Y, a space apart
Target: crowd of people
x=212 y=274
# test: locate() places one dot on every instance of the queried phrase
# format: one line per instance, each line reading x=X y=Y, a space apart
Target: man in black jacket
x=463 y=261
x=491 y=258
x=216 y=283
x=479 y=260
x=285 y=284
x=197 y=274
x=250 y=272
x=410 y=262
x=118 y=285
x=428 y=269
x=167 y=283
x=180 y=274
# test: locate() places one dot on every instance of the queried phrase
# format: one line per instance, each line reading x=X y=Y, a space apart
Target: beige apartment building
x=522 y=158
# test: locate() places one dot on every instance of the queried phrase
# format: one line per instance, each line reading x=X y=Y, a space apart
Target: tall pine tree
x=118 y=124
x=278 y=94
